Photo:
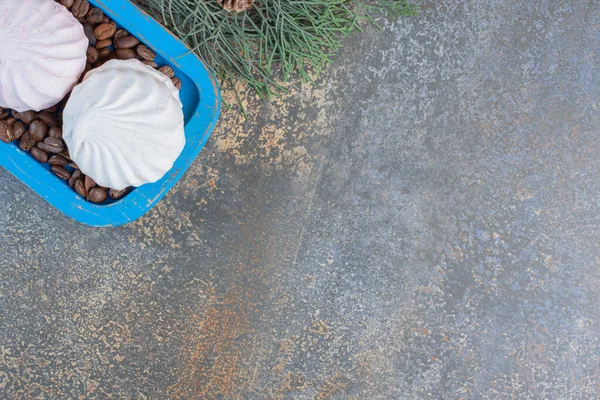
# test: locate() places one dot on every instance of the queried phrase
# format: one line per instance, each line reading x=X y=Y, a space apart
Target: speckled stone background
x=423 y=223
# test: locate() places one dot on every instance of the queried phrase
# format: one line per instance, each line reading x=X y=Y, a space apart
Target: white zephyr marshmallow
x=42 y=53
x=124 y=124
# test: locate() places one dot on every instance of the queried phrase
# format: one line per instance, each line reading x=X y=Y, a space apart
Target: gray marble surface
x=422 y=223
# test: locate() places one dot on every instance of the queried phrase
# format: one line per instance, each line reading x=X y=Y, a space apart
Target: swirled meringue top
x=124 y=124
x=42 y=53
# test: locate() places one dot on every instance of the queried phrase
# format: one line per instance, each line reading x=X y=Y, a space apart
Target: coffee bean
x=103 y=43
x=98 y=64
x=105 y=19
x=19 y=129
x=52 y=109
x=80 y=8
x=59 y=160
x=6 y=132
x=145 y=52
x=65 y=154
x=91 y=54
x=61 y=172
x=176 y=82
x=89 y=184
x=125 y=54
x=67 y=3
x=105 y=31
x=97 y=195
x=94 y=16
x=168 y=71
x=120 y=33
x=150 y=64
x=87 y=69
x=48 y=119
x=79 y=188
x=51 y=145
x=38 y=130
x=74 y=176
x=103 y=54
x=73 y=165
x=26 y=143
x=4 y=113
x=127 y=42
x=39 y=155
x=10 y=121
x=117 y=194
x=55 y=133
x=89 y=33
x=26 y=116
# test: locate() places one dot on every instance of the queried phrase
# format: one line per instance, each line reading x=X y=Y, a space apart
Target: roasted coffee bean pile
x=40 y=133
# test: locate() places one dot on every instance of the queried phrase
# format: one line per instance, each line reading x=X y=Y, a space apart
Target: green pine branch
x=273 y=39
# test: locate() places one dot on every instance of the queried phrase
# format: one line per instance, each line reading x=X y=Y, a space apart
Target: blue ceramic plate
x=201 y=105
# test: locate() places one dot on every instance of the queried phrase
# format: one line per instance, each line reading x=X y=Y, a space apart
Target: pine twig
x=271 y=40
